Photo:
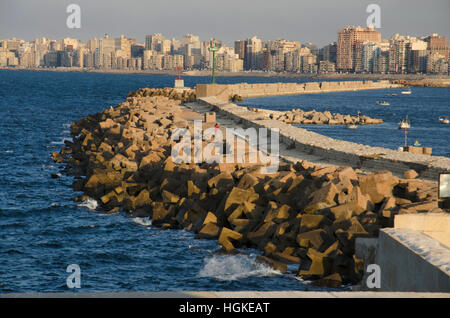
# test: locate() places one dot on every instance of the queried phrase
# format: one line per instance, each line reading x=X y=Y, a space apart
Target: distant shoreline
x=247 y=74
x=404 y=79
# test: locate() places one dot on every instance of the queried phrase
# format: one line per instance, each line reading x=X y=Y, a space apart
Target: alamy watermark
x=374 y=278
x=74 y=279
x=239 y=146
x=74 y=19
x=374 y=19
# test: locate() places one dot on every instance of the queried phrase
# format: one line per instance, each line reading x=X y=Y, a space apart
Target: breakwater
x=313 y=117
x=335 y=151
x=303 y=214
x=244 y=90
x=426 y=82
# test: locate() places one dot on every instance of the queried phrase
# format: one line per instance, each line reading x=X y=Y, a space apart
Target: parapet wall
x=412 y=261
x=413 y=256
x=246 y=90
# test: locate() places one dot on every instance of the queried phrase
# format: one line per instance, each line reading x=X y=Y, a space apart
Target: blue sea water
x=42 y=230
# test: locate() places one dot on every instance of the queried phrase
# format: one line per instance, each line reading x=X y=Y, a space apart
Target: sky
x=315 y=21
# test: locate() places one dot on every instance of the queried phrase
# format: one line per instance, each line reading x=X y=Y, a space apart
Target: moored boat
x=444 y=120
x=404 y=124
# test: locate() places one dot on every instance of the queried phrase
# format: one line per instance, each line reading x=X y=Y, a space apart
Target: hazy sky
x=314 y=21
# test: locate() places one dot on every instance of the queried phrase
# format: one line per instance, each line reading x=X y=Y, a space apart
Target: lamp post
x=213 y=49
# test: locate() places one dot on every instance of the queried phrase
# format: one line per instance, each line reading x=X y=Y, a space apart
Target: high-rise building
x=397 y=54
x=400 y=53
x=154 y=42
x=329 y=52
x=192 y=51
x=436 y=63
x=137 y=50
x=175 y=46
x=437 y=44
x=369 y=52
x=326 y=67
x=418 y=61
x=189 y=38
x=416 y=52
x=347 y=40
x=308 y=63
x=171 y=62
x=88 y=60
x=277 y=52
x=380 y=60
x=240 y=48
x=253 y=54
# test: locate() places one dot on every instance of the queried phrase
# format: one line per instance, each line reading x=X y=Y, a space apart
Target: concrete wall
x=413 y=256
x=411 y=261
x=246 y=90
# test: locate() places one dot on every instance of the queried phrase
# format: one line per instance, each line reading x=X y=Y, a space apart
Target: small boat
x=404 y=124
x=407 y=92
x=383 y=103
x=394 y=94
x=444 y=120
x=352 y=126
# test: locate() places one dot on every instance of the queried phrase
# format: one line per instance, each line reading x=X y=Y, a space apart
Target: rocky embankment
x=427 y=82
x=184 y=96
x=303 y=214
x=298 y=116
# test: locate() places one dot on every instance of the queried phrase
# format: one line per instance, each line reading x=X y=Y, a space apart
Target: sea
x=43 y=231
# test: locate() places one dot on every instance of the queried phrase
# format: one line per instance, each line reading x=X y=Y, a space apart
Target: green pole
x=214 y=68
x=213 y=49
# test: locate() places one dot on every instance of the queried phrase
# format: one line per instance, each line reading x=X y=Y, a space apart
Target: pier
x=245 y=90
x=300 y=144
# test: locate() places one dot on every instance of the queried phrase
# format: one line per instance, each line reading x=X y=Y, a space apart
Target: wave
x=62 y=142
x=145 y=221
x=235 y=267
x=90 y=203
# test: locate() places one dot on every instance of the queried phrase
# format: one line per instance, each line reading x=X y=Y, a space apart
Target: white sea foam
x=61 y=142
x=145 y=221
x=235 y=267
x=90 y=203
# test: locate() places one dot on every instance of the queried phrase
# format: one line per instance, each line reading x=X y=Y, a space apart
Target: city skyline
x=357 y=49
x=287 y=19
